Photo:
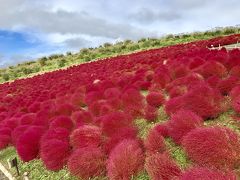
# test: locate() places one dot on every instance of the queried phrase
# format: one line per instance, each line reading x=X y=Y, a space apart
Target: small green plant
x=61 y=63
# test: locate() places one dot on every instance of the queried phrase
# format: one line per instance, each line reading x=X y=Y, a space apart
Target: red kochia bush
x=201 y=99
x=162 y=129
x=235 y=92
x=201 y=173
x=54 y=154
x=236 y=104
x=86 y=163
x=27 y=119
x=151 y=113
x=4 y=141
x=182 y=122
x=17 y=132
x=56 y=133
x=125 y=160
x=226 y=85
x=124 y=133
x=161 y=167
x=86 y=136
x=115 y=121
x=28 y=143
x=61 y=121
x=154 y=143
x=155 y=99
x=81 y=117
x=211 y=68
x=216 y=147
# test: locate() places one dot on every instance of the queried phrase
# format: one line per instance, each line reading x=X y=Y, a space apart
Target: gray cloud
x=145 y=15
x=77 y=43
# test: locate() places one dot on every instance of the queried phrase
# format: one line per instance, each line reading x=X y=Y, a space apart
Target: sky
x=30 y=29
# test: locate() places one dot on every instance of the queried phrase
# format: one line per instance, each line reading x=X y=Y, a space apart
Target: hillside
x=58 y=61
x=170 y=112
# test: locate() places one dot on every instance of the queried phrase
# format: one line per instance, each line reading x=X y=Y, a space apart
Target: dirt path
x=2 y=176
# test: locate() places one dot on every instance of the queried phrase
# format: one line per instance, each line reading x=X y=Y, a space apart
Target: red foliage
x=155 y=99
x=236 y=104
x=154 y=143
x=86 y=136
x=177 y=91
x=161 y=167
x=125 y=160
x=64 y=109
x=201 y=99
x=162 y=129
x=54 y=154
x=86 y=163
x=182 y=122
x=81 y=117
x=151 y=113
x=5 y=140
x=28 y=143
x=226 y=85
x=115 y=121
x=213 y=147
x=61 y=121
x=56 y=133
x=27 y=119
x=201 y=173
x=235 y=92
x=17 y=132
x=211 y=68
x=124 y=133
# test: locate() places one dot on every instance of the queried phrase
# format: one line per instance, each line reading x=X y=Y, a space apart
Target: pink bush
x=61 y=121
x=155 y=99
x=114 y=122
x=182 y=122
x=201 y=173
x=86 y=163
x=124 y=133
x=161 y=167
x=125 y=160
x=86 y=136
x=28 y=143
x=151 y=113
x=54 y=154
x=154 y=143
x=216 y=147
x=17 y=132
x=56 y=133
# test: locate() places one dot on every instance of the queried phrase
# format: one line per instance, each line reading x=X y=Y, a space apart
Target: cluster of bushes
x=57 y=61
x=84 y=117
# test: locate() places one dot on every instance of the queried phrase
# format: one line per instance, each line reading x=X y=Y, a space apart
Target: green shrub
x=6 y=77
x=61 y=63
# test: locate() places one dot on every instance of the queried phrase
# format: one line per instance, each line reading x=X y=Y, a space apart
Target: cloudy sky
x=32 y=28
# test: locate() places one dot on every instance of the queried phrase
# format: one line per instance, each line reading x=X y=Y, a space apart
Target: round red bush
x=115 y=121
x=54 y=154
x=28 y=143
x=215 y=147
x=154 y=143
x=201 y=173
x=124 y=133
x=182 y=122
x=56 y=133
x=161 y=167
x=86 y=163
x=5 y=140
x=151 y=113
x=61 y=121
x=125 y=160
x=86 y=136
x=17 y=132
